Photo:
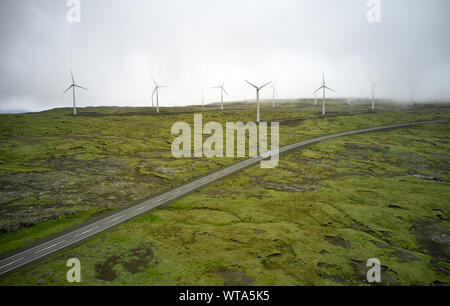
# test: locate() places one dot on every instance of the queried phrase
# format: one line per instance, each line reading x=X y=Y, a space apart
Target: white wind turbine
x=324 y=87
x=222 y=90
x=274 y=93
x=203 y=98
x=349 y=102
x=257 y=96
x=73 y=93
x=156 y=90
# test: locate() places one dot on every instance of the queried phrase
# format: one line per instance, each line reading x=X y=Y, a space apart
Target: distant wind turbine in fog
x=156 y=91
x=274 y=93
x=324 y=87
x=203 y=98
x=373 y=95
x=350 y=95
x=257 y=97
x=73 y=93
x=222 y=90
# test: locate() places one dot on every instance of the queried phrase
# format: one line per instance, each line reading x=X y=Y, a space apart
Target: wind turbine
x=73 y=93
x=349 y=102
x=315 y=98
x=324 y=87
x=373 y=95
x=222 y=90
x=274 y=92
x=156 y=90
x=203 y=98
x=257 y=96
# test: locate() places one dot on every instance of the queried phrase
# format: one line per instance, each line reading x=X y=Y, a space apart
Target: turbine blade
x=154 y=91
x=73 y=80
x=79 y=86
x=224 y=90
x=265 y=85
x=153 y=80
x=330 y=89
x=67 y=89
x=252 y=84
x=318 y=89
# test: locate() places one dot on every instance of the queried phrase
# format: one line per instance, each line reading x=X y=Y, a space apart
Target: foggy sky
x=194 y=44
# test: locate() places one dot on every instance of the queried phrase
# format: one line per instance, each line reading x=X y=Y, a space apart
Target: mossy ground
x=313 y=220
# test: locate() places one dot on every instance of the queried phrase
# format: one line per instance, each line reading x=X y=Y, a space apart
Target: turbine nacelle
x=258 y=88
x=257 y=96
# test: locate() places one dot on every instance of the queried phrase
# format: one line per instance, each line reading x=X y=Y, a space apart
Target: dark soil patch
x=327 y=266
x=433 y=237
x=338 y=241
x=234 y=277
x=141 y=257
x=105 y=270
x=323 y=252
x=395 y=207
x=259 y=232
x=134 y=261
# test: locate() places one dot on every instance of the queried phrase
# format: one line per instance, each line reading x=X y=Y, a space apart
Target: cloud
x=189 y=45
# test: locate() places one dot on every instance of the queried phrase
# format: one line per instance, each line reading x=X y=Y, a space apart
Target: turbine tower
x=222 y=90
x=274 y=93
x=73 y=93
x=324 y=87
x=156 y=90
x=257 y=97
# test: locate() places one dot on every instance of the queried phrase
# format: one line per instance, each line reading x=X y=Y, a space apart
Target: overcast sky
x=190 y=44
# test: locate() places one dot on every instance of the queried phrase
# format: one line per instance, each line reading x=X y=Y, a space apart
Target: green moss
x=313 y=220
